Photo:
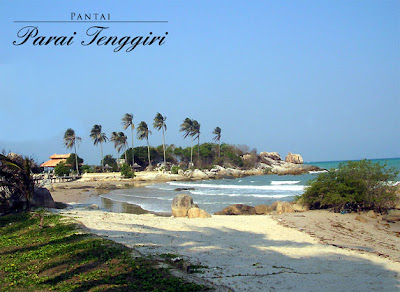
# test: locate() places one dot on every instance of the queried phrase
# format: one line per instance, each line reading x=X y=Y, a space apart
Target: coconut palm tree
x=217 y=137
x=143 y=133
x=127 y=121
x=196 y=135
x=159 y=123
x=120 y=142
x=70 y=140
x=187 y=129
x=98 y=138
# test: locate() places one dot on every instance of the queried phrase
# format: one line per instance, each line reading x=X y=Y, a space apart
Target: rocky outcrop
x=262 y=209
x=237 y=209
x=282 y=207
x=198 y=213
x=271 y=155
x=41 y=197
x=181 y=204
x=198 y=174
x=294 y=158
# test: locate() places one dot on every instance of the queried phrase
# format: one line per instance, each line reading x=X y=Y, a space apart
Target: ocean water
x=214 y=195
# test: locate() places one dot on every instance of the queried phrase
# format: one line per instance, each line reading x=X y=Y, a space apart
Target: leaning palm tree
x=187 y=129
x=159 y=123
x=123 y=144
x=98 y=137
x=217 y=137
x=196 y=135
x=70 y=140
x=143 y=133
x=127 y=121
x=114 y=138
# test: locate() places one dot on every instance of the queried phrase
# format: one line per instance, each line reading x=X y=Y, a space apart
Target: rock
x=181 y=204
x=282 y=207
x=41 y=197
x=392 y=216
x=198 y=213
x=237 y=209
x=183 y=189
x=198 y=174
x=299 y=208
x=92 y=207
x=262 y=209
x=361 y=219
x=180 y=171
x=371 y=214
x=294 y=158
x=271 y=155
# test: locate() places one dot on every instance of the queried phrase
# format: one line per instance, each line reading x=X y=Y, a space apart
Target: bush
x=175 y=169
x=354 y=185
x=126 y=171
x=62 y=169
x=86 y=169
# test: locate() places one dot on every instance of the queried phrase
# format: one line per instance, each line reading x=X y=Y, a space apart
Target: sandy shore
x=249 y=253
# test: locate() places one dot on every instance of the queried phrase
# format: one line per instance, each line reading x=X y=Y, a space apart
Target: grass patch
x=61 y=257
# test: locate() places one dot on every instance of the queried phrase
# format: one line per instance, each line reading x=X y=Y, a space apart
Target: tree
x=72 y=161
x=217 y=137
x=98 y=137
x=70 y=140
x=120 y=142
x=61 y=169
x=159 y=123
x=196 y=135
x=143 y=133
x=127 y=121
x=187 y=129
x=354 y=185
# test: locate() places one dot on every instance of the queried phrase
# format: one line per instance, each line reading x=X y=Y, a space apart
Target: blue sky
x=318 y=78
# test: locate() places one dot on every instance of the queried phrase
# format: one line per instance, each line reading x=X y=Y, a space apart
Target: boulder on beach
x=294 y=158
x=282 y=207
x=181 y=204
x=237 y=209
x=198 y=213
x=198 y=174
x=41 y=197
x=262 y=209
x=271 y=155
x=299 y=207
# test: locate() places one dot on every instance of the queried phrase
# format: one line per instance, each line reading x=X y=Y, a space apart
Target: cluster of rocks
x=182 y=206
x=277 y=208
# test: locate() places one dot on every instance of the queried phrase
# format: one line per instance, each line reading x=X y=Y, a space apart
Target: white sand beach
x=247 y=253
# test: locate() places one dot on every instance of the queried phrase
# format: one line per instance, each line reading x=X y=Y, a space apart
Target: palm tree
x=159 y=123
x=120 y=142
x=127 y=121
x=187 y=128
x=98 y=137
x=70 y=140
x=142 y=133
x=196 y=135
x=217 y=137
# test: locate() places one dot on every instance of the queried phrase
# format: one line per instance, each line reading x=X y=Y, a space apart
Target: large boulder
x=198 y=174
x=181 y=204
x=282 y=207
x=237 y=209
x=271 y=155
x=294 y=158
x=198 y=213
x=262 y=209
x=299 y=207
x=41 y=197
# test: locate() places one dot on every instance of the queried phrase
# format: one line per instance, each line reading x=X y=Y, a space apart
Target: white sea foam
x=284 y=182
x=267 y=196
x=242 y=187
x=316 y=172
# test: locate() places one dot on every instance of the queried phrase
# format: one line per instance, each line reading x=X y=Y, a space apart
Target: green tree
x=217 y=137
x=196 y=135
x=187 y=129
x=159 y=123
x=143 y=133
x=111 y=161
x=120 y=142
x=62 y=169
x=98 y=138
x=70 y=141
x=72 y=160
x=127 y=121
x=355 y=184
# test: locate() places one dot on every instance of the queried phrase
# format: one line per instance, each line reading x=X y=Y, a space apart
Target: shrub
x=355 y=185
x=126 y=171
x=62 y=169
x=175 y=169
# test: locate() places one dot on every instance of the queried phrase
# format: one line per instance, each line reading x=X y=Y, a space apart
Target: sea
x=215 y=195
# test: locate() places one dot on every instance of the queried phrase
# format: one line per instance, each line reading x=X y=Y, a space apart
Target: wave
x=317 y=171
x=284 y=182
x=243 y=187
x=242 y=195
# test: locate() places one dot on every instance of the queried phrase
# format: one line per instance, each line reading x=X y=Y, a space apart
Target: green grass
x=60 y=257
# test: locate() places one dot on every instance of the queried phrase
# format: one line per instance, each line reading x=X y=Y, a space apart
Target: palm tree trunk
x=163 y=138
x=148 y=152
x=118 y=159
x=102 y=159
x=126 y=157
x=76 y=161
x=133 y=152
x=198 y=149
x=219 y=148
x=191 y=153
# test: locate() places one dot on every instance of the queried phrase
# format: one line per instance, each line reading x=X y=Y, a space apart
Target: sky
x=317 y=78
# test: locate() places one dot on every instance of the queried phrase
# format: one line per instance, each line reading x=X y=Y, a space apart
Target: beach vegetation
x=127 y=122
x=159 y=124
x=57 y=255
x=111 y=162
x=120 y=143
x=62 y=169
x=126 y=171
x=217 y=138
x=175 y=169
x=354 y=185
x=143 y=133
x=70 y=141
x=98 y=138
x=72 y=160
x=87 y=169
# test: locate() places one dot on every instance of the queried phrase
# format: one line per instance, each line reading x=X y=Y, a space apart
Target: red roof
x=55 y=159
